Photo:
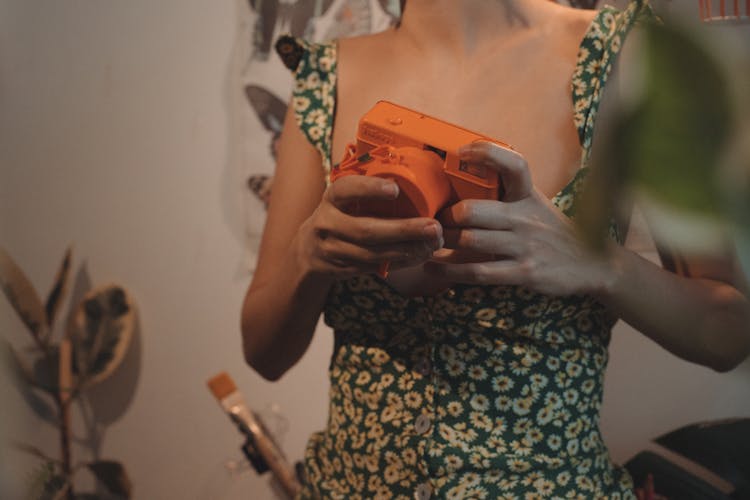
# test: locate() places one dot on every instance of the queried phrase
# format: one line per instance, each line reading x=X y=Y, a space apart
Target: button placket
x=425 y=422
x=422 y=424
x=423 y=492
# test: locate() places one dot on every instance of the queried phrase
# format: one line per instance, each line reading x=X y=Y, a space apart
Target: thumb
x=511 y=165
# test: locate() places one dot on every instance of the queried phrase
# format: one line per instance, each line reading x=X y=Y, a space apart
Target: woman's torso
x=515 y=88
x=473 y=392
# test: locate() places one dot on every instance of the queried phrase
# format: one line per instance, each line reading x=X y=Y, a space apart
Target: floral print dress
x=480 y=391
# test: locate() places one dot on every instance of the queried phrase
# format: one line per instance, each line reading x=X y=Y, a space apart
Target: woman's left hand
x=525 y=239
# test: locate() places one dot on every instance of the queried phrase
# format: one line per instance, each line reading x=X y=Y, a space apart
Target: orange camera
x=420 y=153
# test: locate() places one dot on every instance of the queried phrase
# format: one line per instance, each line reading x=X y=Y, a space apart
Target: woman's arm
x=282 y=304
x=704 y=318
x=308 y=242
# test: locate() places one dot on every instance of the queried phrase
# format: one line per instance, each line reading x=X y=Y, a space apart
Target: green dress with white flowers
x=478 y=391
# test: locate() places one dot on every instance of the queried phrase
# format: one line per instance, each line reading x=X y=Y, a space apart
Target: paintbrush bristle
x=221 y=385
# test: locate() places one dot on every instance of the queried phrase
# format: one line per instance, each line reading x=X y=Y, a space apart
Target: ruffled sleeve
x=314 y=91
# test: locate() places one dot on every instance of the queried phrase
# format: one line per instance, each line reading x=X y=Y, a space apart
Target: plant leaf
x=100 y=330
x=738 y=182
x=22 y=376
x=47 y=371
x=59 y=287
x=663 y=138
x=62 y=492
x=33 y=450
x=45 y=482
x=42 y=374
x=670 y=143
x=113 y=476
x=20 y=371
x=22 y=296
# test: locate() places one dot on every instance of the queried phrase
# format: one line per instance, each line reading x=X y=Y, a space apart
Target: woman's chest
x=527 y=105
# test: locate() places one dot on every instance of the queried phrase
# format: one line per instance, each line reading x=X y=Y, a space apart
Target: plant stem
x=63 y=401
x=65 y=445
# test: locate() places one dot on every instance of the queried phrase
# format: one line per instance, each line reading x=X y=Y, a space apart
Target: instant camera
x=420 y=153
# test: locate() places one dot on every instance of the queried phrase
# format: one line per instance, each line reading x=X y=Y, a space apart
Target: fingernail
x=390 y=188
x=431 y=230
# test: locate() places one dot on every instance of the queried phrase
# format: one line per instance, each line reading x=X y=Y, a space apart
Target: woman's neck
x=461 y=28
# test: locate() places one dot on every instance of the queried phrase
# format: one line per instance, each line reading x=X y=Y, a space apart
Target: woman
x=466 y=380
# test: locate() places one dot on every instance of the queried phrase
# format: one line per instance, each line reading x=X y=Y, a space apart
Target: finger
x=505 y=243
x=345 y=269
x=500 y=272
x=446 y=255
x=353 y=188
x=449 y=256
x=338 y=252
x=372 y=231
x=511 y=165
x=484 y=214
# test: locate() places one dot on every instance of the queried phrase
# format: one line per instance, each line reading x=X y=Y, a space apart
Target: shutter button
x=423 y=492
x=422 y=424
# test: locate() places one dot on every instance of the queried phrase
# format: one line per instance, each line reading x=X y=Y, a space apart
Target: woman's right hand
x=335 y=243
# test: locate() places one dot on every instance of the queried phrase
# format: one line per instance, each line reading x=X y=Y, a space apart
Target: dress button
x=423 y=367
x=423 y=492
x=422 y=424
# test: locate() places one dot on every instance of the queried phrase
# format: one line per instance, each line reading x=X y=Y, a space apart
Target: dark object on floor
x=723 y=447
x=670 y=480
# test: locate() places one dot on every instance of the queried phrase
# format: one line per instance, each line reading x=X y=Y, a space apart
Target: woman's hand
x=337 y=244
x=525 y=239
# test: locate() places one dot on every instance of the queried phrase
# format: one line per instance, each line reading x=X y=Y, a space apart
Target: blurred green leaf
x=663 y=138
x=113 y=476
x=738 y=184
x=22 y=296
x=671 y=142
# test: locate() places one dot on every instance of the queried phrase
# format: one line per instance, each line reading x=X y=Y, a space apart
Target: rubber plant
x=62 y=362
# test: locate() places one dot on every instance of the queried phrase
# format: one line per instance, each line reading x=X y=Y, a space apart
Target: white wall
x=115 y=136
